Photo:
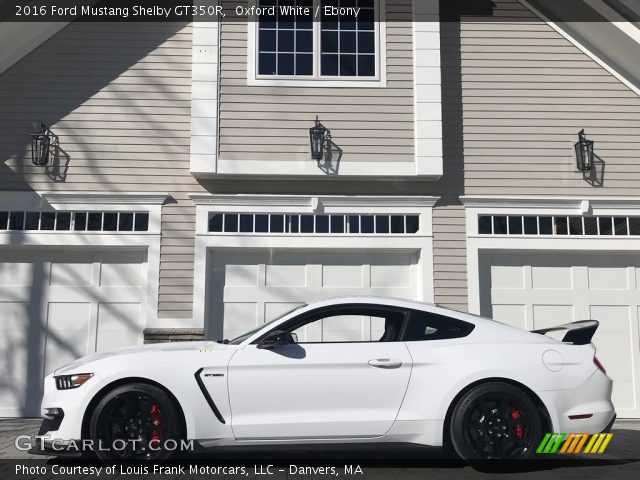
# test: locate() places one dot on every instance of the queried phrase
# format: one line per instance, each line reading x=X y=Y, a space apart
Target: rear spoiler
x=578 y=333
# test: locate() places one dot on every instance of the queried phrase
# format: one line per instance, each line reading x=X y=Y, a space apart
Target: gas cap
x=553 y=360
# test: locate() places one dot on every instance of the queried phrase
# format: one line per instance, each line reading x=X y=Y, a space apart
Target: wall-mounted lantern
x=319 y=135
x=41 y=144
x=584 y=152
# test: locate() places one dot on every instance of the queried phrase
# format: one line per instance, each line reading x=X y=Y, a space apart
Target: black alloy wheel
x=495 y=421
x=134 y=422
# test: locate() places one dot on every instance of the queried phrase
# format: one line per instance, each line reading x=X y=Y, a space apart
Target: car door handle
x=386 y=363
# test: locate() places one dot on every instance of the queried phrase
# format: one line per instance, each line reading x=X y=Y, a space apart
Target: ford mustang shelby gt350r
x=358 y=369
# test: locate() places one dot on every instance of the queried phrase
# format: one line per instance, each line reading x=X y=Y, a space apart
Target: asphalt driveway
x=620 y=461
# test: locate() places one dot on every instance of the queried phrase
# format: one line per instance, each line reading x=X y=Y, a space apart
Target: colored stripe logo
x=574 y=443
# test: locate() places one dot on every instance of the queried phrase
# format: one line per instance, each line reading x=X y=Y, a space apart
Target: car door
x=346 y=377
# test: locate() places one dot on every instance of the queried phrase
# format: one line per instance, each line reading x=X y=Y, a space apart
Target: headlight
x=66 y=382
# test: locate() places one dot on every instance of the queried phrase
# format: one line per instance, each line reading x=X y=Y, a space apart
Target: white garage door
x=58 y=306
x=535 y=291
x=252 y=287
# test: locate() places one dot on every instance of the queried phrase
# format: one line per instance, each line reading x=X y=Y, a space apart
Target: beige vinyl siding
x=449 y=224
x=527 y=92
x=449 y=235
x=118 y=96
x=272 y=122
x=175 y=299
x=450 y=257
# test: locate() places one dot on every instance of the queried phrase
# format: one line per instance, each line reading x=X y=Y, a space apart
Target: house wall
x=118 y=96
x=272 y=123
x=528 y=91
x=515 y=95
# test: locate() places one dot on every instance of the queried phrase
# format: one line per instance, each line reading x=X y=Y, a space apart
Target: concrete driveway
x=620 y=461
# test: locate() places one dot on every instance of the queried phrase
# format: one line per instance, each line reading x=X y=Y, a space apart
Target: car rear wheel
x=134 y=422
x=495 y=421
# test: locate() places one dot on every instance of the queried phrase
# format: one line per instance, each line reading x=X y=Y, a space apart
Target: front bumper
x=57 y=430
x=58 y=448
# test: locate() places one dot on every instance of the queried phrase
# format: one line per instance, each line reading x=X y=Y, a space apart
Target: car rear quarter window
x=432 y=326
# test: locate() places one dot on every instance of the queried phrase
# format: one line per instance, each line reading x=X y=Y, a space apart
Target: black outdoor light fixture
x=319 y=135
x=41 y=144
x=584 y=152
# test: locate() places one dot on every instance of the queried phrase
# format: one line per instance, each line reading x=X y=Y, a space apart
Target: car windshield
x=244 y=336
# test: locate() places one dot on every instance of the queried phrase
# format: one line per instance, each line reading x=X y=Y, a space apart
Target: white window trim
x=206 y=241
x=148 y=241
x=561 y=206
x=427 y=85
x=378 y=81
x=205 y=56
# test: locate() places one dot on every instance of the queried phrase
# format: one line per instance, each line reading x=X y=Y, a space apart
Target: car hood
x=154 y=347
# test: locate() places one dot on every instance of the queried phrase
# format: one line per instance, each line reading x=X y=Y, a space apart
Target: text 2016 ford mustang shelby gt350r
x=359 y=369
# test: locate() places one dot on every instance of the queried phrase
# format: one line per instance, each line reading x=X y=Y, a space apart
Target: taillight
x=599 y=365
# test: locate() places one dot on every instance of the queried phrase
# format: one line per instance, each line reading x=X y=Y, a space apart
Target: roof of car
x=490 y=331
x=369 y=299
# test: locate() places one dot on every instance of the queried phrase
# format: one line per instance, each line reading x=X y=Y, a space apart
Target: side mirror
x=276 y=338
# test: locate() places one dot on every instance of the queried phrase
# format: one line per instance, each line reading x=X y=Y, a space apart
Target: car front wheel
x=134 y=422
x=495 y=421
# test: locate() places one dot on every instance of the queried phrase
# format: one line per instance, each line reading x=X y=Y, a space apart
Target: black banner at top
x=317 y=10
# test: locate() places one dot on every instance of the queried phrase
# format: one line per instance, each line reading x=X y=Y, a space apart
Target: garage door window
x=352 y=224
x=558 y=225
x=76 y=221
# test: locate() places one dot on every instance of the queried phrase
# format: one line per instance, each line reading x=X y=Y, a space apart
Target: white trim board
x=480 y=205
x=427 y=87
x=580 y=205
x=25 y=200
x=616 y=19
x=96 y=198
x=94 y=201
x=205 y=62
x=582 y=47
x=208 y=241
x=310 y=203
x=309 y=167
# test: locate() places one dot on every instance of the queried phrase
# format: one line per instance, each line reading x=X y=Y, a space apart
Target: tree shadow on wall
x=99 y=88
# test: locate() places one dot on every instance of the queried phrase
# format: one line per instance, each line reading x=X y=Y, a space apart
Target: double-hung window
x=323 y=46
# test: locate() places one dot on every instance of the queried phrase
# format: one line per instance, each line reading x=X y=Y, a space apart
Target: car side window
x=432 y=326
x=350 y=324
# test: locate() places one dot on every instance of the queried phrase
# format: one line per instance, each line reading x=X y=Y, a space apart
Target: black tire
x=495 y=421
x=133 y=423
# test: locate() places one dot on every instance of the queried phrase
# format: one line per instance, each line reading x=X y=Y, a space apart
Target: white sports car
x=418 y=374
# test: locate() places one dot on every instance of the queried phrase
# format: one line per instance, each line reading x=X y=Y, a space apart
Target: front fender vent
x=207 y=397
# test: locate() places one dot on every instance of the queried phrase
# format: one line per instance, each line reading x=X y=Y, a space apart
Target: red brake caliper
x=515 y=415
x=156 y=420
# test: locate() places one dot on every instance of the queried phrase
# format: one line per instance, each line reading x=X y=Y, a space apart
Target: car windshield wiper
x=224 y=342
